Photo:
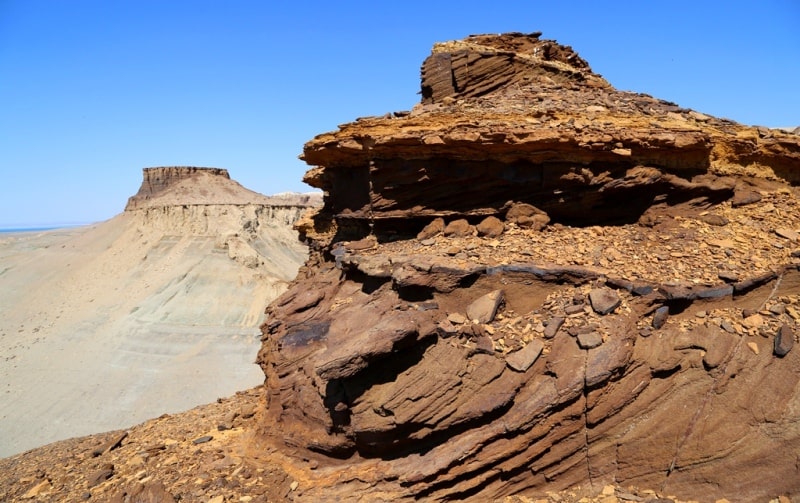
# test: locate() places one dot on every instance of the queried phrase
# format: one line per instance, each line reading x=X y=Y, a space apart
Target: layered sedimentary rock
x=204 y=202
x=533 y=281
x=155 y=310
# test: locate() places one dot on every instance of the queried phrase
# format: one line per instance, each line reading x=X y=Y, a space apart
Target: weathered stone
x=574 y=309
x=777 y=309
x=523 y=359
x=42 y=488
x=527 y=215
x=744 y=197
x=484 y=344
x=753 y=321
x=660 y=316
x=491 y=227
x=713 y=219
x=435 y=227
x=553 y=324
x=247 y=411
x=589 y=340
x=113 y=443
x=604 y=300
x=458 y=228
x=102 y=474
x=456 y=318
x=484 y=308
x=784 y=341
x=149 y=492
x=642 y=290
x=368 y=243
x=789 y=234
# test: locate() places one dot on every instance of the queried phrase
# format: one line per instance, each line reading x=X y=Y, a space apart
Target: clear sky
x=91 y=91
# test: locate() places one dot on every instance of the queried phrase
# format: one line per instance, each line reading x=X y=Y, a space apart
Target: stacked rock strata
x=533 y=281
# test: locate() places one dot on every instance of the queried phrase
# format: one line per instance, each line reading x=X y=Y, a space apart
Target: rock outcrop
x=614 y=322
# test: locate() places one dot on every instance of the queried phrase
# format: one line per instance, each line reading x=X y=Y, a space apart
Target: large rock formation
x=153 y=311
x=627 y=313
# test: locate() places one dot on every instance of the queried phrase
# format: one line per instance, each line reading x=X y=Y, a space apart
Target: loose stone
x=432 y=229
x=484 y=308
x=784 y=341
x=552 y=326
x=662 y=313
x=604 y=300
x=523 y=359
x=573 y=309
x=491 y=227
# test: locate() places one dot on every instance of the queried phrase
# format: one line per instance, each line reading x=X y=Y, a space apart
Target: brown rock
x=247 y=411
x=784 y=341
x=391 y=401
x=745 y=197
x=526 y=215
x=458 y=228
x=523 y=359
x=112 y=444
x=434 y=228
x=149 y=492
x=491 y=227
x=589 y=340
x=40 y=489
x=604 y=300
x=660 y=317
x=553 y=324
x=100 y=475
x=712 y=219
x=789 y=234
x=483 y=309
x=574 y=309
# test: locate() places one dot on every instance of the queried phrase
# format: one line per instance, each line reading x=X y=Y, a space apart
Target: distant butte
x=191 y=185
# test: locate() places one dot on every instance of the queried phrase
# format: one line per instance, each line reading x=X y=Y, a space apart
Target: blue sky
x=94 y=90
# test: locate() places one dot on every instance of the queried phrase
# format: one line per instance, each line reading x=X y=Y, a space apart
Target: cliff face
x=533 y=281
x=255 y=229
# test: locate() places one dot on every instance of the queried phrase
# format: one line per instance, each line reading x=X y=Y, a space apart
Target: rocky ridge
x=531 y=287
x=533 y=281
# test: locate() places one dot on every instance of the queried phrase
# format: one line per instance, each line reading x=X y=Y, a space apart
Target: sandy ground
x=102 y=327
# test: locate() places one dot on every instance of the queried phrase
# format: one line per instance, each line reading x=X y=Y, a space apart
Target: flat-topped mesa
x=190 y=185
x=481 y=64
x=514 y=117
